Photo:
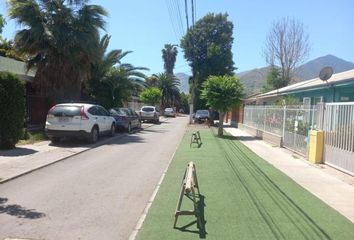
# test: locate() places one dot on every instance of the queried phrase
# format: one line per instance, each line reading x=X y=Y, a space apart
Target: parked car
x=126 y=118
x=78 y=120
x=169 y=112
x=201 y=116
x=149 y=113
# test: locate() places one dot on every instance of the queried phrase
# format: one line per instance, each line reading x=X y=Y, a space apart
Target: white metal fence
x=292 y=123
x=338 y=127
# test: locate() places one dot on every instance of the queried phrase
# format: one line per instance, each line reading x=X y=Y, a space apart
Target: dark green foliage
x=151 y=96
x=61 y=39
x=222 y=93
x=168 y=84
x=169 y=54
x=12 y=105
x=207 y=47
x=111 y=82
x=275 y=80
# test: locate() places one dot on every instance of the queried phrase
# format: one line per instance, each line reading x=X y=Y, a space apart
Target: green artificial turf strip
x=243 y=197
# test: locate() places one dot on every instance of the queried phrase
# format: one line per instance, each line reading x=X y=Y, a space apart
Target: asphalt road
x=99 y=194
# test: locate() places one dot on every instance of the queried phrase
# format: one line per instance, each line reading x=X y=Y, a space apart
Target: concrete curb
x=98 y=144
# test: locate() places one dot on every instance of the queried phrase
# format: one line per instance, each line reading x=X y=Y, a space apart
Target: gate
x=338 y=127
x=292 y=123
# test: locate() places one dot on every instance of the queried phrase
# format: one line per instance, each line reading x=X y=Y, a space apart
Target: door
x=104 y=118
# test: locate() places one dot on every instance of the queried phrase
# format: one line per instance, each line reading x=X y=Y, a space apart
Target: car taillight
x=83 y=114
x=50 y=114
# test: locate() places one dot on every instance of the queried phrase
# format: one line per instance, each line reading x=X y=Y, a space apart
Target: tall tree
x=207 y=47
x=151 y=96
x=61 y=39
x=222 y=93
x=169 y=54
x=286 y=46
x=168 y=84
x=274 y=80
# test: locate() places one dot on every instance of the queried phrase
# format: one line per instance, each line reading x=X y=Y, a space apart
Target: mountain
x=253 y=80
x=184 y=87
x=312 y=68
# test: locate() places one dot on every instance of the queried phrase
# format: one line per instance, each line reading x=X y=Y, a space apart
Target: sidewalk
x=27 y=158
x=331 y=186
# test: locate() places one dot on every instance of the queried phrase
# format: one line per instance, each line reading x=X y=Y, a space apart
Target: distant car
x=78 y=120
x=169 y=112
x=201 y=115
x=149 y=113
x=126 y=118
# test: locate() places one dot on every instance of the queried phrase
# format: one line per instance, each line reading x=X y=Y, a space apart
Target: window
x=92 y=110
x=318 y=100
x=306 y=101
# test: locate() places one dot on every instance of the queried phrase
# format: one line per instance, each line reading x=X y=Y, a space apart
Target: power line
x=177 y=15
x=170 y=11
x=186 y=12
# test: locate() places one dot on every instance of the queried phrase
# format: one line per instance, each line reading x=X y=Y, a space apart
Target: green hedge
x=12 y=110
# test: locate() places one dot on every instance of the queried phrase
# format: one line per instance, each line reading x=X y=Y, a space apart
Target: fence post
x=264 y=117
x=284 y=120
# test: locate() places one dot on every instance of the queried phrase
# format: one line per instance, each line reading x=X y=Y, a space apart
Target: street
x=98 y=194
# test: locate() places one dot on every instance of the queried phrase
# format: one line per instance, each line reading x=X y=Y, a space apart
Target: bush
x=12 y=106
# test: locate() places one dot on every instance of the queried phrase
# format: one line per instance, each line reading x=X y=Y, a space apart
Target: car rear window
x=202 y=112
x=147 y=109
x=69 y=111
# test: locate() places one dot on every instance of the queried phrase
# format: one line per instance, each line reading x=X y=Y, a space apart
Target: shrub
x=12 y=110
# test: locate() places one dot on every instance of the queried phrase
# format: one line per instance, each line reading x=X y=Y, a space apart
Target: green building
x=339 y=88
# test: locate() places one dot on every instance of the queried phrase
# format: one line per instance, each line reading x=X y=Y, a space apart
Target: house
x=36 y=106
x=339 y=88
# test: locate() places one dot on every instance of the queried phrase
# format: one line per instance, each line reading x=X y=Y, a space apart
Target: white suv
x=149 y=113
x=78 y=120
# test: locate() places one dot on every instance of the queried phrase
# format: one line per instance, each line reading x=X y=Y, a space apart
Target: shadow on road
x=18 y=211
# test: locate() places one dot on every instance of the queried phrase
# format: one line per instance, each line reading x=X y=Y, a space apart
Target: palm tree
x=168 y=84
x=169 y=54
x=61 y=39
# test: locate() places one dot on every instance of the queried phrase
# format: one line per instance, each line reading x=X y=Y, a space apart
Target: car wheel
x=94 y=135
x=113 y=130
x=129 y=128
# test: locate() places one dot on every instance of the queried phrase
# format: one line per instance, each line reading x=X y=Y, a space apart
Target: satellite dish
x=326 y=73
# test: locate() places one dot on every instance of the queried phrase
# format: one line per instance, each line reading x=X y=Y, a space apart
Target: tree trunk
x=221 y=124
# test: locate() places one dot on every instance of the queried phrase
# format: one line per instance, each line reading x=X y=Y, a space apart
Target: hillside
x=184 y=87
x=253 y=80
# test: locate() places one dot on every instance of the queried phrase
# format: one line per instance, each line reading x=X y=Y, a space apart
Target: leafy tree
x=222 y=93
x=286 y=46
x=151 y=96
x=184 y=103
x=61 y=39
x=2 y=23
x=287 y=100
x=207 y=47
x=168 y=84
x=169 y=54
x=12 y=105
x=274 y=80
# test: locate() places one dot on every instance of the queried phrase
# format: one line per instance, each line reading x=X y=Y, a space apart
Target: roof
x=336 y=79
x=16 y=67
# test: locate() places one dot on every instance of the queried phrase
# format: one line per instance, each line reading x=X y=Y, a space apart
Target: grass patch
x=243 y=197
x=32 y=137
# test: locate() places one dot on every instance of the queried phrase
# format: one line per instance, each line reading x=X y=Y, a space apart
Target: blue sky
x=145 y=26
